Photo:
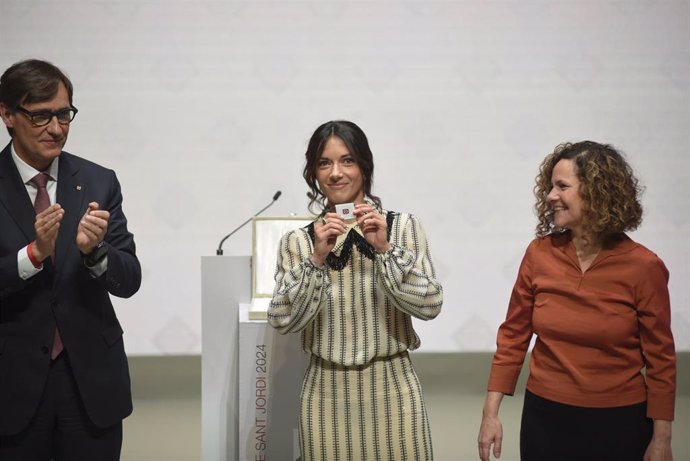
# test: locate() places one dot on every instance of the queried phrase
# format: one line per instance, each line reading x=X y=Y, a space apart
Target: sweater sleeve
x=408 y=274
x=301 y=287
x=515 y=333
x=656 y=338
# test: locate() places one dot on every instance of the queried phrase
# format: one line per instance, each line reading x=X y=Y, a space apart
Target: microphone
x=219 y=251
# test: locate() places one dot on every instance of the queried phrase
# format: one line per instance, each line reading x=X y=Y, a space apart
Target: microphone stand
x=219 y=251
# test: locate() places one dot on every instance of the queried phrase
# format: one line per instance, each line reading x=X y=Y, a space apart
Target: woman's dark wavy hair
x=30 y=81
x=358 y=145
x=608 y=187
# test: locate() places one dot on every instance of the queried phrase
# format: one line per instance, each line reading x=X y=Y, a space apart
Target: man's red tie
x=41 y=203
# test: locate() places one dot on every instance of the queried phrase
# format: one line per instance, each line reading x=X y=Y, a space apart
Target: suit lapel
x=70 y=195
x=13 y=195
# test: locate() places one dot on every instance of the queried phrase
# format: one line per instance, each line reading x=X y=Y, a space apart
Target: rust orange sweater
x=596 y=331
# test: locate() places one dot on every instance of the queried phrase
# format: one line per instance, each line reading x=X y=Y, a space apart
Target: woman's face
x=338 y=174
x=564 y=197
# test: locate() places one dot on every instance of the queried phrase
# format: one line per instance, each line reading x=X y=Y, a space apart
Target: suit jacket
x=65 y=292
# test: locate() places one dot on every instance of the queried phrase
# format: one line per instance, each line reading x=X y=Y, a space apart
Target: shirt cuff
x=311 y=263
x=401 y=256
x=100 y=267
x=25 y=266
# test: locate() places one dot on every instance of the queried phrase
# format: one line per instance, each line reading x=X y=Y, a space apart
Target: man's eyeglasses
x=43 y=117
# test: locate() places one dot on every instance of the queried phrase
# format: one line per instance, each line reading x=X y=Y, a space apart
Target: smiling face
x=339 y=176
x=564 y=197
x=38 y=146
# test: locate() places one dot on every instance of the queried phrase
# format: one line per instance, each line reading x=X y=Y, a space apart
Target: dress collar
x=338 y=258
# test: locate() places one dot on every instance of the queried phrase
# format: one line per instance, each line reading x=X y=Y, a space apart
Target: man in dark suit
x=64 y=248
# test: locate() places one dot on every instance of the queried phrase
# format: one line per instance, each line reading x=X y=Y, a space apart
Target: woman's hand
x=374 y=226
x=326 y=232
x=659 y=448
x=491 y=430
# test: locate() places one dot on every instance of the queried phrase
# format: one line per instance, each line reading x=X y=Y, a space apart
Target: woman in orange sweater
x=602 y=372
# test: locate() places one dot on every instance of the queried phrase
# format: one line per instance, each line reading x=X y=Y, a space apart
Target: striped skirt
x=371 y=412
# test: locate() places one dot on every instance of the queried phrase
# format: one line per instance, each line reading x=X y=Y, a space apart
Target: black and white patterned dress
x=361 y=399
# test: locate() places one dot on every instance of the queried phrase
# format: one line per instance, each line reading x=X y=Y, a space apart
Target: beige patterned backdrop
x=204 y=109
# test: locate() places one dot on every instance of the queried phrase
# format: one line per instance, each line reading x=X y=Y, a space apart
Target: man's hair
x=31 y=81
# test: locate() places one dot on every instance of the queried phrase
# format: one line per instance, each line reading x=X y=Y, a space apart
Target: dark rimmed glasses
x=43 y=117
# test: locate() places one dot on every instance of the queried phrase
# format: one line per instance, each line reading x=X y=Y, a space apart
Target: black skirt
x=556 y=431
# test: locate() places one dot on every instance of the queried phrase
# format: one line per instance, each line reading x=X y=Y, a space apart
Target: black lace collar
x=338 y=262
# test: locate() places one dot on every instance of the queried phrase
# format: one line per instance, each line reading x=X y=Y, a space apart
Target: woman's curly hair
x=608 y=187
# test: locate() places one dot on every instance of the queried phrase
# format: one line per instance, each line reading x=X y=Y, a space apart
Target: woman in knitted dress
x=350 y=287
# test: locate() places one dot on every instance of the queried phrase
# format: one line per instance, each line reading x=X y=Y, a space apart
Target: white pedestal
x=225 y=283
x=271 y=369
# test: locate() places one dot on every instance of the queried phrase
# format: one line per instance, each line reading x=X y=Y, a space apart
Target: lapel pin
x=78 y=187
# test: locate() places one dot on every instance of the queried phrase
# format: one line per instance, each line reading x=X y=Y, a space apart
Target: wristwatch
x=99 y=252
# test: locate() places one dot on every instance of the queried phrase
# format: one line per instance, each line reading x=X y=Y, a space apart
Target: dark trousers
x=61 y=429
x=555 y=431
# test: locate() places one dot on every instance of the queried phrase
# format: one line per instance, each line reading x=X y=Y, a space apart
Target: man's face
x=38 y=146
